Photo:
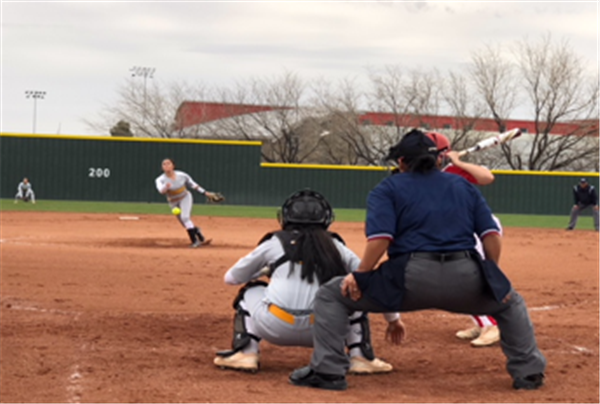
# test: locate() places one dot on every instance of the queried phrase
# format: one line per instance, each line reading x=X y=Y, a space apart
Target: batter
x=485 y=332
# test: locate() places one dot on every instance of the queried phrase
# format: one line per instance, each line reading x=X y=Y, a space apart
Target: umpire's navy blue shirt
x=436 y=211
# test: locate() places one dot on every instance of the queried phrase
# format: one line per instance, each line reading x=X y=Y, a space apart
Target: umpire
x=584 y=195
x=425 y=219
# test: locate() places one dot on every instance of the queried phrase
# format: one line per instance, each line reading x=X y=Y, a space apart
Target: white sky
x=81 y=52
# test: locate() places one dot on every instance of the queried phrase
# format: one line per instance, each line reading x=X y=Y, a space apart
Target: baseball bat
x=492 y=141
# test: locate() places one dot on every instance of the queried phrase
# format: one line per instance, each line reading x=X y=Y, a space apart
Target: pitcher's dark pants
x=455 y=286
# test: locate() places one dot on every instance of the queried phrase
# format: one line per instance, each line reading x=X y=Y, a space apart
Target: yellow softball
x=176 y=210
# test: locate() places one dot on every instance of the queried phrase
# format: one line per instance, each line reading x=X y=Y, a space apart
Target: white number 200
x=99 y=172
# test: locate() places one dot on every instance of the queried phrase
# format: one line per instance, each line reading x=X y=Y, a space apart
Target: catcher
x=298 y=259
x=174 y=184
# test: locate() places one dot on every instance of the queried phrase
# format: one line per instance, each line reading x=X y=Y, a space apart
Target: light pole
x=36 y=95
x=146 y=73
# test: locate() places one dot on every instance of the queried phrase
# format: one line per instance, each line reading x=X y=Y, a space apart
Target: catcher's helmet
x=441 y=141
x=306 y=207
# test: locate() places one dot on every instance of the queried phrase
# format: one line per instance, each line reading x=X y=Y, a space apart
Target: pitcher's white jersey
x=178 y=189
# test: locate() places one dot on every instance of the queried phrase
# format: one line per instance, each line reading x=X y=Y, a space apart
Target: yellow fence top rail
x=134 y=139
x=379 y=168
x=323 y=166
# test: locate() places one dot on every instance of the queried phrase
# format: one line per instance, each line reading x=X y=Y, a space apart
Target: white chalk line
x=74 y=386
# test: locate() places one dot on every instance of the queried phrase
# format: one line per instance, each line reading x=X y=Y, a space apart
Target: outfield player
x=485 y=331
x=431 y=264
x=300 y=257
x=25 y=191
x=174 y=184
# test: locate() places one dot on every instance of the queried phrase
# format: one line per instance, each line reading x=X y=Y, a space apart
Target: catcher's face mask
x=306 y=207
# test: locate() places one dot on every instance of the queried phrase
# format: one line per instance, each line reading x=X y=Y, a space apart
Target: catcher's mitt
x=214 y=197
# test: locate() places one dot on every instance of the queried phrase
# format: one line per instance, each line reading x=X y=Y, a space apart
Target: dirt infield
x=97 y=309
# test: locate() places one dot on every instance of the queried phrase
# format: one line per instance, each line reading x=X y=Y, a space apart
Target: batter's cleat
x=531 y=382
x=306 y=377
x=489 y=336
x=195 y=244
x=206 y=242
x=238 y=361
x=363 y=366
x=569 y=228
x=469 y=333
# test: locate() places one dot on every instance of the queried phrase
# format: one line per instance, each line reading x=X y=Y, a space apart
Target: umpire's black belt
x=442 y=257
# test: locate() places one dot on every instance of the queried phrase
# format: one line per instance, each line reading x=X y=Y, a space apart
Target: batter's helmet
x=441 y=141
x=306 y=207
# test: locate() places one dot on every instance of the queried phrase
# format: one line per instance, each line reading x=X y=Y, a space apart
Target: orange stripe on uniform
x=285 y=316
x=176 y=191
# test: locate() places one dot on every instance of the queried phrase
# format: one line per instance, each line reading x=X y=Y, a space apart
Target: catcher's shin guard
x=241 y=337
x=365 y=343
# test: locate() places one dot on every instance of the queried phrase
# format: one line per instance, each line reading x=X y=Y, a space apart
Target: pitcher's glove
x=214 y=197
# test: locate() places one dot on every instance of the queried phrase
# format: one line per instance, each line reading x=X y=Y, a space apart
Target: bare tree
x=495 y=82
x=289 y=130
x=463 y=107
x=149 y=111
x=349 y=142
x=553 y=83
x=558 y=90
x=408 y=96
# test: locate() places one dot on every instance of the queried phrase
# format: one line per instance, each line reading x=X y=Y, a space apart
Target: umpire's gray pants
x=576 y=210
x=456 y=286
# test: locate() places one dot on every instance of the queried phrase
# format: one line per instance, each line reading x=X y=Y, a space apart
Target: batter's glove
x=214 y=197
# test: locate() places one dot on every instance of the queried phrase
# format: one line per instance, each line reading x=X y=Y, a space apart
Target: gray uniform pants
x=185 y=204
x=456 y=286
x=263 y=324
x=576 y=210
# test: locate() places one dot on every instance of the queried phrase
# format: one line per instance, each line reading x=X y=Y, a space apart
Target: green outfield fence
x=89 y=168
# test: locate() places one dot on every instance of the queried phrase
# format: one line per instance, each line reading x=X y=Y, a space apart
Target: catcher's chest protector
x=288 y=240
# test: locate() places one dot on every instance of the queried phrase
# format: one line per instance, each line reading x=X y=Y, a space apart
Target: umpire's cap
x=306 y=207
x=413 y=144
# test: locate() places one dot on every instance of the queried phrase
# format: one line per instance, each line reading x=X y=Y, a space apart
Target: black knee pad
x=243 y=289
x=241 y=337
x=365 y=344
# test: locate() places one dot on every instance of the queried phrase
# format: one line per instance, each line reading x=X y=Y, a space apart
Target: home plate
x=129 y=218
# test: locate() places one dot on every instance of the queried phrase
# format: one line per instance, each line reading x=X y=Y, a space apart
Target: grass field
x=342 y=215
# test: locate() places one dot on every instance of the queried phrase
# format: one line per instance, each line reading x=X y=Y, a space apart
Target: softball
x=176 y=211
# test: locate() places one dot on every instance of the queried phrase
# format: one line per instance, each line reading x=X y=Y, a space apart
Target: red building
x=192 y=113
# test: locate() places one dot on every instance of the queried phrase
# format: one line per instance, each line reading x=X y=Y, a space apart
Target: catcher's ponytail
x=319 y=255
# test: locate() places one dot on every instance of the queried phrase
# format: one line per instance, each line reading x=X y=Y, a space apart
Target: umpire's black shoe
x=309 y=378
x=531 y=382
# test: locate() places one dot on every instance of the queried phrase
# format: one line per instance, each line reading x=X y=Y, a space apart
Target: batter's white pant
x=263 y=324
x=185 y=204
x=29 y=194
x=485 y=321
